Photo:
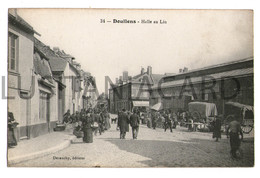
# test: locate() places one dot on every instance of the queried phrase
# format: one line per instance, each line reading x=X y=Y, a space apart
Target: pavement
x=153 y=148
x=40 y=146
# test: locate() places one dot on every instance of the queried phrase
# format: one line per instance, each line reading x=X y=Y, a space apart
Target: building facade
x=42 y=83
x=232 y=81
x=31 y=88
x=133 y=92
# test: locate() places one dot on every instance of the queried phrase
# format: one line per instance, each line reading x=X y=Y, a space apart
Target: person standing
x=87 y=122
x=174 y=120
x=233 y=131
x=123 y=124
x=10 y=134
x=97 y=124
x=168 y=122
x=216 y=128
x=107 y=120
x=101 y=122
x=134 y=122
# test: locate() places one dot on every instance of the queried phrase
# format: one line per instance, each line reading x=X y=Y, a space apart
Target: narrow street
x=153 y=148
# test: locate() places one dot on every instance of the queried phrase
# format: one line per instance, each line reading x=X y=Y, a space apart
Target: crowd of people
x=87 y=122
x=169 y=119
x=93 y=121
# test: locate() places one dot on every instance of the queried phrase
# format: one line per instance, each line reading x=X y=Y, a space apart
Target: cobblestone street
x=154 y=148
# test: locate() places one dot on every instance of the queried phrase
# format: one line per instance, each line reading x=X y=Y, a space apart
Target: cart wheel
x=246 y=128
x=196 y=116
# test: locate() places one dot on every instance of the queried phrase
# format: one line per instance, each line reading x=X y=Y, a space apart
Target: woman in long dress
x=87 y=122
x=107 y=121
x=11 y=126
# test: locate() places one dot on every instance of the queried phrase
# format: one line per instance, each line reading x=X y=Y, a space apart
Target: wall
x=17 y=105
x=173 y=101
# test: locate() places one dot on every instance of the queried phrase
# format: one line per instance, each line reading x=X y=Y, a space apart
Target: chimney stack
x=149 y=70
x=117 y=81
x=142 y=70
x=56 y=49
x=180 y=70
x=125 y=76
x=185 y=69
x=120 y=80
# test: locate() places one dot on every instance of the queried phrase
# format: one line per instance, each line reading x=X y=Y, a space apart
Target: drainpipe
x=28 y=107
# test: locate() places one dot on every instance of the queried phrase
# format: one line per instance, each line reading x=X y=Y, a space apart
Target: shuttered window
x=12 y=52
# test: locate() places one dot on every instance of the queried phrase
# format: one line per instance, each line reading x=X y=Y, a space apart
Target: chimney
x=117 y=81
x=180 y=70
x=149 y=70
x=142 y=70
x=185 y=69
x=56 y=49
x=120 y=80
x=125 y=76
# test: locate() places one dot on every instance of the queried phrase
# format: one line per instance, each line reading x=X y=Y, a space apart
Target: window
x=12 y=52
x=43 y=106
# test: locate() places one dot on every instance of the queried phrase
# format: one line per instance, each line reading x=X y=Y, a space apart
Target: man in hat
x=134 y=122
x=234 y=129
x=123 y=124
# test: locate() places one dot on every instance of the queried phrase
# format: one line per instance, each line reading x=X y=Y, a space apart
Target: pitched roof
x=18 y=20
x=221 y=65
x=41 y=67
x=57 y=63
x=142 y=78
x=232 y=73
x=157 y=77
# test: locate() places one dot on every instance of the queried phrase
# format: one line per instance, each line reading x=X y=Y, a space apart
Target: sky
x=189 y=38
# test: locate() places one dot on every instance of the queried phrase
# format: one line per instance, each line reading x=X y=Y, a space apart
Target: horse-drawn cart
x=202 y=115
x=242 y=113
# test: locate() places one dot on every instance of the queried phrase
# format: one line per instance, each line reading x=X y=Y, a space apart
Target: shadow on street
x=188 y=153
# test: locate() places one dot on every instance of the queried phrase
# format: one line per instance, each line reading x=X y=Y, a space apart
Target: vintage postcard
x=130 y=88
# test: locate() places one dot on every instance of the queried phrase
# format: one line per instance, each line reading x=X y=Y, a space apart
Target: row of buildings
x=43 y=83
x=231 y=81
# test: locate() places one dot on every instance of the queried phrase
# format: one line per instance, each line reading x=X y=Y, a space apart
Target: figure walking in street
x=101 y=122
x=233 y=131
x=216 y=128
x=168 y=122
x=123 y=124
x=107 y=120
x=87 y=122
x=174 y=120
x=134 y=122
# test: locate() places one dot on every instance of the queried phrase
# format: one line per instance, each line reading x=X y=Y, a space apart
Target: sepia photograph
x=130 y=88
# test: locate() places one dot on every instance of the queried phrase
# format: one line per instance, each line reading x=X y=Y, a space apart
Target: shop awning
x=157 y=107
x=141 y=103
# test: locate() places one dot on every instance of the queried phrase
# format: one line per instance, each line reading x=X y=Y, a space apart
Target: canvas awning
x=157 y=107
x=141 y=103
x=205 y=109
